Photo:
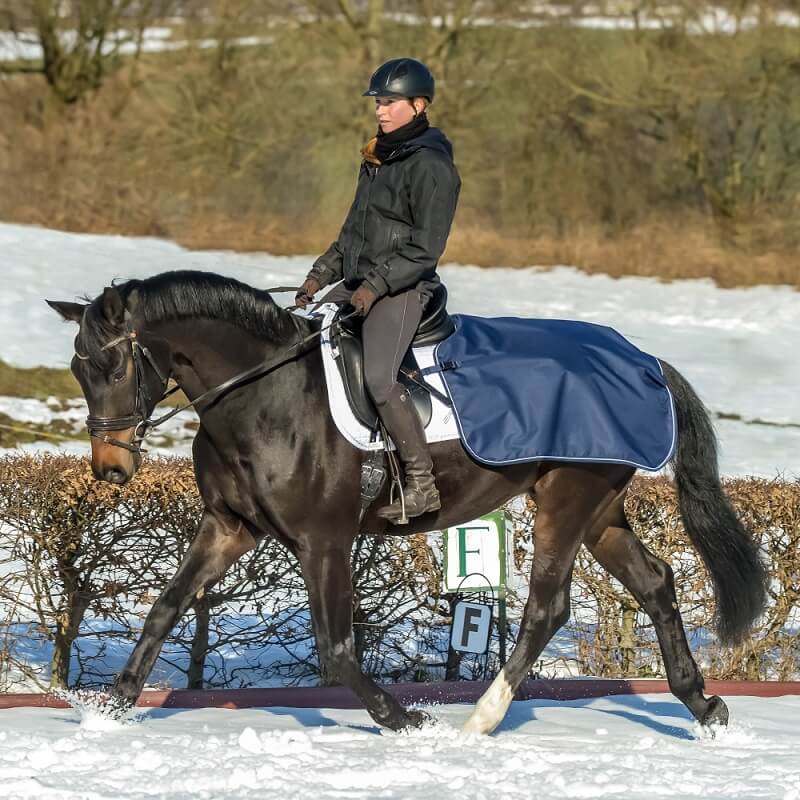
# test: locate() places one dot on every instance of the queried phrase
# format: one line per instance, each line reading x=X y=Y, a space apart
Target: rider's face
x=394 y=112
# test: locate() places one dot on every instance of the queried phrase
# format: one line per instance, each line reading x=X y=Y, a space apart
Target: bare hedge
x=614 y=638
x=83 y=560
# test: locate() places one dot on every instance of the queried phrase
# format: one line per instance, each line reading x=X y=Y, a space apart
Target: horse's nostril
x=115 y=475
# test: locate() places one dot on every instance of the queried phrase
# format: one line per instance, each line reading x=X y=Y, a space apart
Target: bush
x=82 y=562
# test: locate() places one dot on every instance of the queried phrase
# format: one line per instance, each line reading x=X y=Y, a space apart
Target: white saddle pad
x=442 y=426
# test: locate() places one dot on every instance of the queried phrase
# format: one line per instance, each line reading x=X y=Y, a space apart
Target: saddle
x=436 y=325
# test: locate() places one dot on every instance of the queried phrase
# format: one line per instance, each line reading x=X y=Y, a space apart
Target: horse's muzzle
x=113 y=475
x=114 y=464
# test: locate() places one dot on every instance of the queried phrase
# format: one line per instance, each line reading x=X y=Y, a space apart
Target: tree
x=81 y=41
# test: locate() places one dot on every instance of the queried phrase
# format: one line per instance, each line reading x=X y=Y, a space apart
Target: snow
x=159 y=38
x=154 y=40
x=628 y=746
x=736 y=346
x=176 y=433
x=713 y=20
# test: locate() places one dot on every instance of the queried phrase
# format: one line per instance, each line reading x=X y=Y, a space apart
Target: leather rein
x=100 y=427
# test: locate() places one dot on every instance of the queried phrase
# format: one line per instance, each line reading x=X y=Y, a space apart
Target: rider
x=386 y=256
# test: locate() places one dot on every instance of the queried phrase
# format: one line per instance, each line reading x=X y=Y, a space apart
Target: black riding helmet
x=405 y=77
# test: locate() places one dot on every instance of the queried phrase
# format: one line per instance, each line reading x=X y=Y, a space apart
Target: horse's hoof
x=103 y=703
x=115 y=706
x=417 y=719
x=715 y=714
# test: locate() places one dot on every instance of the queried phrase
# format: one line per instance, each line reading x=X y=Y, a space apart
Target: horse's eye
x=120 y=376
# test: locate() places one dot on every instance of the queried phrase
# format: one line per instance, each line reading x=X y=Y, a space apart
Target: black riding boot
x=404 y=426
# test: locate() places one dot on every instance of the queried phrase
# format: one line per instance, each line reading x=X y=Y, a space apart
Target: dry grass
x=670 y=250
x=38 y=382
x=253 y=234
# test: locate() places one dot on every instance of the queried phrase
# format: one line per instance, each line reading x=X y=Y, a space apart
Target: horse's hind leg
x=327 y=575
x=216 y=545
x=557 y=538
x=650 y=581
x=571 y=500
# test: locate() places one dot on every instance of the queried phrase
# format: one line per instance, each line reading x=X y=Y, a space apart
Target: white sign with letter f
x=472 y=623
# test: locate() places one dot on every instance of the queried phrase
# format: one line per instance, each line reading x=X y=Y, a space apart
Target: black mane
x=189 y=294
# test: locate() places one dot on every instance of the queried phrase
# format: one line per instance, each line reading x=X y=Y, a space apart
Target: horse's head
x=121 y=380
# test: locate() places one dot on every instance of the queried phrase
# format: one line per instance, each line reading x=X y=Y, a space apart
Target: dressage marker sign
x=477 y=560
x=472 y=624
x=477 y=551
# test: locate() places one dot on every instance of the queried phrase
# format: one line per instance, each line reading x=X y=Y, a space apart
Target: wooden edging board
x=407 y=693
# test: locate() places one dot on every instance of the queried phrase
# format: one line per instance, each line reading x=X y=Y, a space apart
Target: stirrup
x=397 y=481
x=403 y=518
x=430 y=503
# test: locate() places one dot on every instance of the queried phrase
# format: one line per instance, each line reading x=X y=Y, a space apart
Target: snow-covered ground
x=173 y=438
x=26 y=46
x=736 y=346
x=635 y=748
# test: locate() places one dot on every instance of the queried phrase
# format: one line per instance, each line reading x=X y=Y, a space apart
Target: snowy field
x=636 y=748
x=736 y=346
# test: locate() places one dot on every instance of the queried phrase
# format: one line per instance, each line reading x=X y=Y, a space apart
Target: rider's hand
x=362 y=299
x=307 y=291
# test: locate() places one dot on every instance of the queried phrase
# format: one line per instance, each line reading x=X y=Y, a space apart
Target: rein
x=100 y=426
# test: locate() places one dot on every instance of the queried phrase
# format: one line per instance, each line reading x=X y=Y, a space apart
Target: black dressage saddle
x=435 y=326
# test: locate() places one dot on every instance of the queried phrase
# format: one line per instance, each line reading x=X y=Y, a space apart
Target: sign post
x=477 y=561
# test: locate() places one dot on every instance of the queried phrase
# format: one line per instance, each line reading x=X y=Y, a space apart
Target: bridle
x=99 y=427
x=139 y=420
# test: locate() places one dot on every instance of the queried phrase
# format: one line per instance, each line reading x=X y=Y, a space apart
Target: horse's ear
x=113 y=307
x=72 y=312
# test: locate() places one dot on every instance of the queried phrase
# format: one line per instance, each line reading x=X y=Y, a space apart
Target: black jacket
x=397 y=227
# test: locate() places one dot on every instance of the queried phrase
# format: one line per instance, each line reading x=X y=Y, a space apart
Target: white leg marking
x=491 y=708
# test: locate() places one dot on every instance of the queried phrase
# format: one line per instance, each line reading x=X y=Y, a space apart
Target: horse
x=269 y=461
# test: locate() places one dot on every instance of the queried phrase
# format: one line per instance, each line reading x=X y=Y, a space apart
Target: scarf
x=377 y=150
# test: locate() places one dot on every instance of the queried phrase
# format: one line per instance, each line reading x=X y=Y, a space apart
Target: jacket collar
x=433 y=139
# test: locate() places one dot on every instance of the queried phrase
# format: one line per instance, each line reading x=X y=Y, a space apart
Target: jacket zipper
x=372 y=175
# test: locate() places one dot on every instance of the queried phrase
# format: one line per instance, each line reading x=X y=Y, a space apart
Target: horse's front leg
x=328 y=578
x=217 y=543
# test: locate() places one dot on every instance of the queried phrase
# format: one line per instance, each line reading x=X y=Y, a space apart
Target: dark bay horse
x=269 y=461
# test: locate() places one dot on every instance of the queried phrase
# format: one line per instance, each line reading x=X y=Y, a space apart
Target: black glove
x=362 y=299
x=307 y=291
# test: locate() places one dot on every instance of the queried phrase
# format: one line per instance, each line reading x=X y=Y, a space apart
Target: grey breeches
x=386 y=336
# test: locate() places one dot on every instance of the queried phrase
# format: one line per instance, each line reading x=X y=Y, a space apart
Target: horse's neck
x=206 y=353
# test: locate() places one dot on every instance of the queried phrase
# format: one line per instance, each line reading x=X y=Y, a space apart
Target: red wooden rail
x=455 y=692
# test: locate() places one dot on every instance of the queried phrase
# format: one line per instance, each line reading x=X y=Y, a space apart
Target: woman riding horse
x=386 y=257
x=267 y=442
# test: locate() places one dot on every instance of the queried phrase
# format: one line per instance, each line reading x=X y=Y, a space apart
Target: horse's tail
x=727 y=548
